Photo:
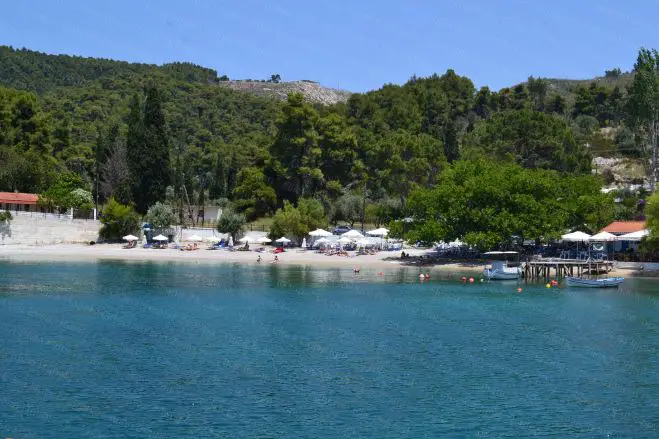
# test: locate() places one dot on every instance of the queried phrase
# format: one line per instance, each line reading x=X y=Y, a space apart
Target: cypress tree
x=148 y=150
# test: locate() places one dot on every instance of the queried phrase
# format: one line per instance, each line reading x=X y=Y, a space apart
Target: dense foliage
x=139 y=134
x=486 y=203
x=118 y=220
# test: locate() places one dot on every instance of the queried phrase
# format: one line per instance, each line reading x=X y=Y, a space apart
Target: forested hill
x=39 y=72
x=178 y=134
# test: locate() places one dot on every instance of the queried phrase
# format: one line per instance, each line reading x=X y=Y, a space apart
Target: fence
x=70 y=215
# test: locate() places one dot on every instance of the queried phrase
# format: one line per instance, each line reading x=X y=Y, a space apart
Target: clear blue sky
x=357 y=45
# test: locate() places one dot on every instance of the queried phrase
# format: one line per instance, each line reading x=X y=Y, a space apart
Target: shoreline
x=292 y=257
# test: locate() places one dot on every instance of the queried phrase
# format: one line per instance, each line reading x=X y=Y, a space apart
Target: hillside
x=312 y=91
x=38 y=72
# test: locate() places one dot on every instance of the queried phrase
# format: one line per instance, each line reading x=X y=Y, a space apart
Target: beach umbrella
x=194 y=238
x=213 y=239
x=160 y=238
x=130 y=238
x=320 y=232
x=322 y=241
x=634 y=236
x=283 y=240
x=603 y=237
x=576 y=237
x=364 y=242
x=352 y=234
x=247 y=239
x=263 y=240
x=304 y=242
x=378 y=232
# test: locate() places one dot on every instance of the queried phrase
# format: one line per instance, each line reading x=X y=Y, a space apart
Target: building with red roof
x=623 y=227
x=18 y=201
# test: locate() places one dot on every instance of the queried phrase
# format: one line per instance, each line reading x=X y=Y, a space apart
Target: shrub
x=118 y=220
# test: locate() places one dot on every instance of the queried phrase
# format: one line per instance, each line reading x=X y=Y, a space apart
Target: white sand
x=83 y=252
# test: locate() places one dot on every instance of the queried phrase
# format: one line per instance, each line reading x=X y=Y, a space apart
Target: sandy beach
x=380 y=261
x=82 y=252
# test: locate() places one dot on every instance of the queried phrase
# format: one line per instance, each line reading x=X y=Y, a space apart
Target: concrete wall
x=40 y=230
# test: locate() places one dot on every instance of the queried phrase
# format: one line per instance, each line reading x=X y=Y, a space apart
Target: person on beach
x=258 y=259
x=276 y=259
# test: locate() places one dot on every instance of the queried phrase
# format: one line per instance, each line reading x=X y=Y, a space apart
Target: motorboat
x=503 y=270
x=607 y=282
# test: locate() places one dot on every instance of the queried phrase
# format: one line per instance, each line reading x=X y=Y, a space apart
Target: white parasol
x=603 y=237
x=320 y=232
x=194 y=238
x=352 y=234
x=283 y=240
x=160 y=238
x=263 y=240
x=576 y=237
x=130 y=238
x=247 y=239
x=634 y=236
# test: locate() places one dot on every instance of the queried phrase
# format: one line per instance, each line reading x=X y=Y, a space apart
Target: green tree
x=231 y=222
x=295 y=153
x=118 y=220
x=252 y=195
x=148 y=150
x=161 y=216
x=298 y=221
x=644 y=101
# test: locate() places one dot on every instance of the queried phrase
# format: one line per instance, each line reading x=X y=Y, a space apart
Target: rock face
x=619 y=172
x=312 y=91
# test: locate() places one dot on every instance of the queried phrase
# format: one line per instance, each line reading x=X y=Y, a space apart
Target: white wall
x=40 y=230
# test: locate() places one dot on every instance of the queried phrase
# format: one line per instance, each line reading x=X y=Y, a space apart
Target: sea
x=182 y=350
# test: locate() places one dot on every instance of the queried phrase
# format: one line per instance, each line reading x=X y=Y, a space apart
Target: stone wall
x=46 y=230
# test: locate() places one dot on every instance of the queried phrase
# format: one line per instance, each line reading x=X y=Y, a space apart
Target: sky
x=356 y=45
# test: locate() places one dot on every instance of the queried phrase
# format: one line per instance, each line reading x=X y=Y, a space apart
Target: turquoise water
x=110 y=350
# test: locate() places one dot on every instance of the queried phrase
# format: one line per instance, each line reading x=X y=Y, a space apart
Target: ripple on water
x=161 y=350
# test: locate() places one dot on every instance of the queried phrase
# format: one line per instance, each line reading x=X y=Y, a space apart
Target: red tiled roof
x=621 y=227
x=18 y=198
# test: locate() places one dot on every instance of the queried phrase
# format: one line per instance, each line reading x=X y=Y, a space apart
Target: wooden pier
x=543 y=268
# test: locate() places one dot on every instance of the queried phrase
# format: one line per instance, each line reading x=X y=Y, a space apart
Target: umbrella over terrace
x=634 y=236
x=603 y=237
x=576 y=237
x=319 y=232
x=352 y=234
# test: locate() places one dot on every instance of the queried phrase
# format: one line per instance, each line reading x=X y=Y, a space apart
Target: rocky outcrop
x=312 y=91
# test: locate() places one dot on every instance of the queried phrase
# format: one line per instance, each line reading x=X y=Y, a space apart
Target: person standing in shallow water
x=259 y=259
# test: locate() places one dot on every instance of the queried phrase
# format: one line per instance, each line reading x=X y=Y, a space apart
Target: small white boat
x=501 y=271
x=608 y=282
